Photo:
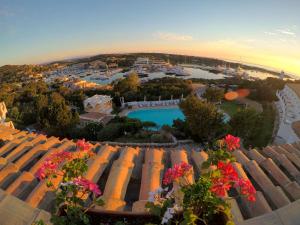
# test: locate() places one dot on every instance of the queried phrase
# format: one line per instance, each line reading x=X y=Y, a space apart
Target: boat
x=140 y=72
x=177 y=71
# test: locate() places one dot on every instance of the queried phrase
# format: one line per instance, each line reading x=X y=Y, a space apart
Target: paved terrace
x=127 y=174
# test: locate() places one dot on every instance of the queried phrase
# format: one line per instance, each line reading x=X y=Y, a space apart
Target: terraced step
x=274 y=171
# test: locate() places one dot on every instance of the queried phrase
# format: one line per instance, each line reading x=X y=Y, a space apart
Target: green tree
x=213 y=94
x=204 y=122
x=129 y=84
x=244 y=124
x=91 y=130
x=55 y=114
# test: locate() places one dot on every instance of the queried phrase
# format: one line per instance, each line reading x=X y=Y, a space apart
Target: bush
x=110 y=132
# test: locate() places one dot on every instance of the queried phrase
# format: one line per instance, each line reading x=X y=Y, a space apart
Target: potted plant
x=71 y=166
x=204 y=201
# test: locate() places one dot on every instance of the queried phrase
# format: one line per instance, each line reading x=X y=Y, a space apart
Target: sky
x=264 y=32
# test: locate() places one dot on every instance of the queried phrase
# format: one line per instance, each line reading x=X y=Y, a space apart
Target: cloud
x=166 y=36
x=283 y=32
x=270 y=33
x=287 y=32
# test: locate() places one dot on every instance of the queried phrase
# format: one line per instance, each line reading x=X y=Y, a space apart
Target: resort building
x=99 y=104
x=288 y=108
x=94 y=117
x=142 y=62
x=98 y=110
x=80 y=84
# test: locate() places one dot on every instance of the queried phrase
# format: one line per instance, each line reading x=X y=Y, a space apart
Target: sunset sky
x=265 y=32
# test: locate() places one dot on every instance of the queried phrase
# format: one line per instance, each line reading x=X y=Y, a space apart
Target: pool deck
x=126 y=111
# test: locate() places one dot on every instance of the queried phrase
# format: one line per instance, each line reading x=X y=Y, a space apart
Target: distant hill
x=17 y=73
x=173 y=58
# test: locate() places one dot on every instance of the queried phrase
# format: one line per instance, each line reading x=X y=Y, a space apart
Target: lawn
x=230 y=107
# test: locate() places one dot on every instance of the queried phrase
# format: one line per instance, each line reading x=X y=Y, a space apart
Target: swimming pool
x=163 y=116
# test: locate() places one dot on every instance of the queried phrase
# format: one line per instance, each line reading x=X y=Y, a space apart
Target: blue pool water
x=161 y=117
x=164 y=116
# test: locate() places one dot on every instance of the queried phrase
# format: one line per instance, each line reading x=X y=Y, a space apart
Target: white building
x=141 y=62
x=98 y=103
x=289 y=112
x=98 y=110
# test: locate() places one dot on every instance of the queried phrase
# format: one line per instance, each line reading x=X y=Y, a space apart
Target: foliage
x=213 y=94
x=152 y=89
x=204 y=122
x=54 y=114
x=128 y=86
x=202 y=201
x=70 y=167
x=254 y=128
x=244 y=123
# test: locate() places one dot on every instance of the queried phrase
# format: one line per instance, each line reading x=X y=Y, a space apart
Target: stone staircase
x=127 y=174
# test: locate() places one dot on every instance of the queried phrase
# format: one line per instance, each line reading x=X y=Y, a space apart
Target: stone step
x=18 y=151
x=23 y=185
x=118 y=179
x=9 y=146
x=291 y=188
x=282 y=160
x=291 y=156
x=291 y=149
x=240 y=157
x=36 y=151
x=199 y=158
x=152 y=174
x=8 y=174
x=65 y=146
x=100 y=162
x=270 y=190
x=252 y=209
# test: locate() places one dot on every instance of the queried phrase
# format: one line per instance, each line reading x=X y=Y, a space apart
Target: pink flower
x=178 y=170
x=87 y=185
x=46 y=169
x=51 y=164
x=232 y=142
x=83 y=145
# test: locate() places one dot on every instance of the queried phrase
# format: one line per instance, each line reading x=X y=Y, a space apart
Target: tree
x=129 y=84
x=204 y=121
x=246 y=124
x=213 y=94
x=55 y=114
x=91 y=130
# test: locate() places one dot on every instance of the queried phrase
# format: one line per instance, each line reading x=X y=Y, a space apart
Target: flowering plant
x=71 y=193
x=204 y=200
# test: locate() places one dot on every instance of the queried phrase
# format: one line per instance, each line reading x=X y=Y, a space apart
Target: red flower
x=247 y=189
x=87 y=185
x=83 y=145
x=179 y=170
x=228 y=171
x=232 y=142
x=220 y=186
